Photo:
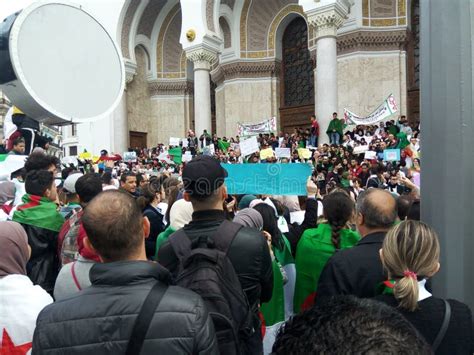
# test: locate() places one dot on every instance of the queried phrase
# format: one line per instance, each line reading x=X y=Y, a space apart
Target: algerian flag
x=223 y=145
x=39 y=212
x=10 y=163
x=176 y=154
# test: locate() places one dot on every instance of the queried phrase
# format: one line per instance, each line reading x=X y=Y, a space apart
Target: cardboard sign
x=85 y=156
x=360 y=149
x=130 y=157
x=304 y=153
x=266 y=153
x=370 y=154
x=249 y=146
x=184 y=142
x=283 y=153
x=187 y=157
x=391 y=154
x=174 y=141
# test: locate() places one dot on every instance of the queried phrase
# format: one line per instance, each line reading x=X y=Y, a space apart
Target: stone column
x=202 y=59
x=326 y=19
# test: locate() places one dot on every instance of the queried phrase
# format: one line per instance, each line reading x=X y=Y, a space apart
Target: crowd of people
x=156 y=256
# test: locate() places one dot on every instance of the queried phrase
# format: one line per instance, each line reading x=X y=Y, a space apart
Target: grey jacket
x=66 y=285
x=100 y=319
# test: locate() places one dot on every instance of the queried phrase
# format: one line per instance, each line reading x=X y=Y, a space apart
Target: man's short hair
x=114 y=225
x=88 y=187
x=38 y=181
x=348 y=325
x=40 y=161
x=18 y=141
x=124 y=176
x=375 y=214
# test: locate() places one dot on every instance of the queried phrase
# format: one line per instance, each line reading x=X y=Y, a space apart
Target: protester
x=347 y=325
x=181 y=213
x=410 y=254
x=204 y=186
x=72 y=199
x=121 y=287
x=42 y=222
x=313 y=141
x=18 y=146
x=151 y=195
x=318 y=245
x=358 y=270
x=128 y=183
x=72 y=231
x=21 y=301
x=334 y=130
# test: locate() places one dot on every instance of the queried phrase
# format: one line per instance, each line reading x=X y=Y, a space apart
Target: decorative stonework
x=292 y=8
x=202 y=57
x=372 y=41
x=127 y=25
x=229 y=3
x=237 y=70
x=130 y=71
x=384 y=13
x=210 y=15
x=226 y=32
x=151 y=12
x=164 y=87
x=326 y=23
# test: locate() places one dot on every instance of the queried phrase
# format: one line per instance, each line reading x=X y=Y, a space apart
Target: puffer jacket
x=249 y=255
x=43 y=266
x=100 y=319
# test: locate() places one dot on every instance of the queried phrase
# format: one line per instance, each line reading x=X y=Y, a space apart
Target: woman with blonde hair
x=410 y=255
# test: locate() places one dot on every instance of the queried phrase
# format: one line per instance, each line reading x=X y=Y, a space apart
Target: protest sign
x=209 y=150
x=187 y=157
x=267 y=179
x=391 y=154
x=174 y=141
x=249 y=146
x=283 y=153
x=360 y=149
x=370 y=154
x=85 y=156
x=384 y=111
x=266 y=126
x=266 y=153
x=304 y=153
x=130 y=157
x=184 y=142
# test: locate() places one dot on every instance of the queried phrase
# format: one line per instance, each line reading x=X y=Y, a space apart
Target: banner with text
x=267 y=179
x=384 y=111
x=266 y=126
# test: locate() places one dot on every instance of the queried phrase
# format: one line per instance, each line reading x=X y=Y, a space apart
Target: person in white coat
x=20 y=300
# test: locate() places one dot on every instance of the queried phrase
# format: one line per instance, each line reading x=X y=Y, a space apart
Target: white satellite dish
x=59 y=65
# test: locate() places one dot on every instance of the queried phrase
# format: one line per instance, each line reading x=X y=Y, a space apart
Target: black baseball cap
x=203 y=175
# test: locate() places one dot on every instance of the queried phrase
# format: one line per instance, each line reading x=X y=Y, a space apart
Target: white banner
x=266 y=126
x=283 y=153
x=384 y=111
x=249 y=146
x=130 y=157
x=174 y=141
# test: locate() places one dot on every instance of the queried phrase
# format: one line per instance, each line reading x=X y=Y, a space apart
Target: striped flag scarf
x=40 y=212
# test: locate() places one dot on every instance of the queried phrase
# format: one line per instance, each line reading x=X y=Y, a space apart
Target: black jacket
x=156 y=227
x=248 y=254
x=356 y=271
x=295 y=231
x=100 y=319
x=43 y=266
x=428 y=318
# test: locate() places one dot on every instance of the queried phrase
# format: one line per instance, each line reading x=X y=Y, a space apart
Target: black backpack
x=205 y=269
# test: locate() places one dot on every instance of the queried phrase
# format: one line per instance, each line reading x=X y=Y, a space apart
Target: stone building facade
x=211 y=64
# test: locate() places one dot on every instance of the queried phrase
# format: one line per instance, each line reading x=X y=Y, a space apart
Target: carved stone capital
x=166 y=87
x=329 y=17
x=203 y=58
x=244 y=69
x=130 y=71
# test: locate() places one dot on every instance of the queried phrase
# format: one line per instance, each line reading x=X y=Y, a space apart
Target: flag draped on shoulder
x=39 y=212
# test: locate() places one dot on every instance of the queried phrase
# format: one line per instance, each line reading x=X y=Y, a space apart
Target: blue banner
x=267 y=179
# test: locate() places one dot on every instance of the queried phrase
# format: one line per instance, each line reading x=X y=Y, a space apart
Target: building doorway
x=297 y=81
x=137 y=140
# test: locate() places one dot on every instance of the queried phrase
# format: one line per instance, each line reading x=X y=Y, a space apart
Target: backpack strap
x=181 y=244
x=444 y=327
x=74 y=277
x=143 y=320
